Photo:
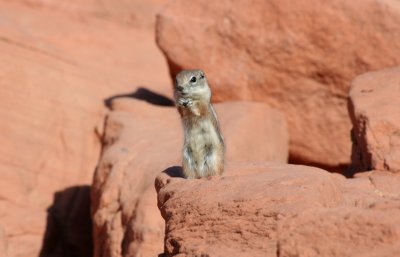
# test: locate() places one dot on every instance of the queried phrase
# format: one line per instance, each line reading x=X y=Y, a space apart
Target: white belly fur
x=200 y=149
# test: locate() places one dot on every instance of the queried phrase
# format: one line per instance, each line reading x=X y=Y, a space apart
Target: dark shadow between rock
x=341 y=169
x=69 y=226
x=174 y=172
x=142 y=94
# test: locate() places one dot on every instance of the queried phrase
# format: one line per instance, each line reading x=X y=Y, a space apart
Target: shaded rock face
x=57 y=68
x=68 y=232
x=297 y=56
x=140 y=140
x=374 y=108
x=280 y=210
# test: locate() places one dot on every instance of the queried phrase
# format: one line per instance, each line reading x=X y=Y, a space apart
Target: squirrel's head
x=193 y=84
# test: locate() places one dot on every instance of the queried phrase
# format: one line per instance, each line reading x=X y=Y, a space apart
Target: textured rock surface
x=238 y=215
x=297 y=56
x=342 y=232
x=367 y=224
x=140 y=140
x=56 y=70
x=374 y=107
x=280 y=210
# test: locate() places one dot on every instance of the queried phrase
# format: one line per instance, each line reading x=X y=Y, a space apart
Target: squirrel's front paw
x=189 y=102
x=182 y=101
x=185 y=102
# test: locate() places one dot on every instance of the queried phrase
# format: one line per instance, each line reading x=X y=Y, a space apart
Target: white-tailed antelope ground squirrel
x=203 y=150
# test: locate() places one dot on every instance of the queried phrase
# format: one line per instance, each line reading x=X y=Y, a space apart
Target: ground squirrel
x=203 y=150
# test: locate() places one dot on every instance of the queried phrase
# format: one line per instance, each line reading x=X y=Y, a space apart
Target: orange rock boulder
x=365 y=224
x=141 y=140
x=280 y=210
x=374 y=107
x=238 y=214
x=342 y=231
x=298 y=56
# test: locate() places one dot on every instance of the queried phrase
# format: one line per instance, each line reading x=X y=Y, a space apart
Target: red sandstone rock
x=383 y=183
x=280 y=210
x=56 y=69
x=253 y=132
x=142 y=139
x=135 y=13
x=298 y=56
x=238 y=214
x=367 y=226
x=342 y=232
x=374 y=107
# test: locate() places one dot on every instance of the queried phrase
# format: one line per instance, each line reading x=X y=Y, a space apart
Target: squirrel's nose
x=179 y=88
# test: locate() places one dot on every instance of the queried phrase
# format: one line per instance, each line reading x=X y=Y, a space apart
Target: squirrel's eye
x=193 y=79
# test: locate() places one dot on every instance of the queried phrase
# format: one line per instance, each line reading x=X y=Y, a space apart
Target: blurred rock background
x=60 y=61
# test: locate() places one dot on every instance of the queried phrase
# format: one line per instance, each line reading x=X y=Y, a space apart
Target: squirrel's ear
x=201 y=74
